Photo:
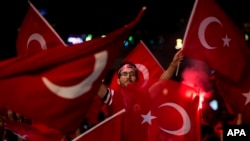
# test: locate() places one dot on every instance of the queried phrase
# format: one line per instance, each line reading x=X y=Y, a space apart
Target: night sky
x=100 y=17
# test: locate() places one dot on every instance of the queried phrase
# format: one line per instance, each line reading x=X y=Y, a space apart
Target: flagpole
x=177 y=69
x=99 y=124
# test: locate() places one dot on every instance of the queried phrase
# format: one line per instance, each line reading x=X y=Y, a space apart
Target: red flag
x=164 y=110
x=176 y=107
x=213 y=38
x=235 y=94
x=137 y=102
x=36 y=34
x=34 y=132
x=56 y=86
x=92 y=115
x=108 y=130
x=147 y=64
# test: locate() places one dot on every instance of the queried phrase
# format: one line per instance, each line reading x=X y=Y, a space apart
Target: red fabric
x=235 y=94
x=108 y=130
x=174 y=102
x=208 y=25
x=35 y=25
x=137 y=102
x=35 y=132
x=95 y=108
x=116 y=105
x=149 y=100
x=147 y=64
x=24 y=80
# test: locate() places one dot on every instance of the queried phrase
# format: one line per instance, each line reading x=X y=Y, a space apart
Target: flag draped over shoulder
x=213 y=38
x=55 y=87
x=148 y=66
x=36 y=34
x=108 y=130
x=163 y=110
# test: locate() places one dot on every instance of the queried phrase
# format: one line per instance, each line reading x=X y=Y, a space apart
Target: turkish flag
x=175 y=106
x=36 y=34
x=148 y=67
x=108 y=130
x=164 y=110
x=56 y=86
x=236 y=94
x=212 y=37
x=147 y=64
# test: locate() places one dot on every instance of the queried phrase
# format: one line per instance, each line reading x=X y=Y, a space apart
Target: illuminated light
x=75 y=40
x=202 y=98
x=203 y=95
x=126 y=43
x=43 y=11
x=178 y=44
x=165 y=91
x=191 y=94
x=89 y=37
x=246 y=37
x=103 y=36
x=130 y=38
x=214 y=104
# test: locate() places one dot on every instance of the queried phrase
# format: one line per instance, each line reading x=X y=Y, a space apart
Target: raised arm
x=168 y=73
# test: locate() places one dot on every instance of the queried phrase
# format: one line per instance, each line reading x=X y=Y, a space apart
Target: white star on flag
x=226 y=41
x=247 y=95
x=147 y=118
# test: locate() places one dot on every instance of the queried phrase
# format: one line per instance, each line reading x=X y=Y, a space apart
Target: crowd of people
x=109 y=103
x=127 y=74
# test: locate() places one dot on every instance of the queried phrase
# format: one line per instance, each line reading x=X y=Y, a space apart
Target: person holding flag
x=128 y=74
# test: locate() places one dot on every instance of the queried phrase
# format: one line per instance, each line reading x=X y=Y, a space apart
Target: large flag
x=56 y=86
x=164 y=110
x=36 y=34
x=212 y=37
x=236 y=94
x=108 y=130
x=147 y=64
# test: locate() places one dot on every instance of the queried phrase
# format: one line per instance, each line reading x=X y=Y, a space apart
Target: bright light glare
x=75 y=40
x=178 y=44
x=246 y=37
x=126 y=43
x=214 y=104
x=89 y=37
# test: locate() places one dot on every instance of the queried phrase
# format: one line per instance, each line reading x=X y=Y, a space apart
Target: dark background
x=162 y=23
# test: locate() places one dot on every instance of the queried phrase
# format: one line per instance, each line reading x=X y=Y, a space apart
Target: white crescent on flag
x=202 y=30
x=74 y=91
x=39 y=38
x=186 y=126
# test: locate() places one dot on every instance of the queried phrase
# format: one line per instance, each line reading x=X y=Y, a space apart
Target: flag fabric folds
x=236 y=94
x=55 y=87
x=36 y=34
x=176 y=107
x=108 y=130
x=212 y=37
x=164 y=110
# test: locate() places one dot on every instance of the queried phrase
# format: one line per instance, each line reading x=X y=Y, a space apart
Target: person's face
x=127 y=76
